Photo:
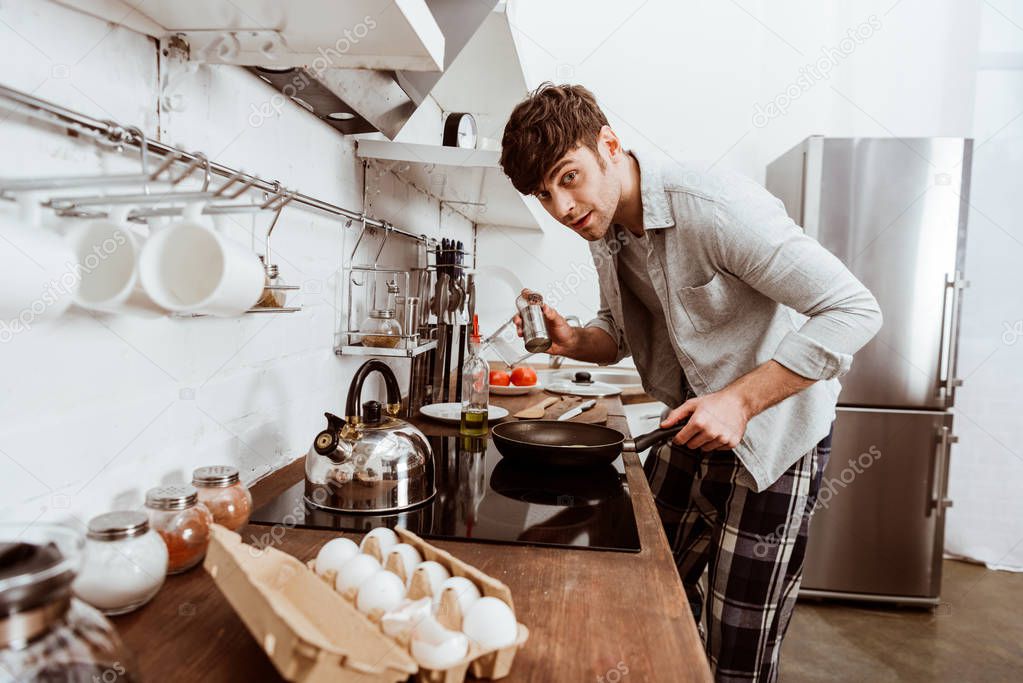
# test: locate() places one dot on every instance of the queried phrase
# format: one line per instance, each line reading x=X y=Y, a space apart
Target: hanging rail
x=115 y=133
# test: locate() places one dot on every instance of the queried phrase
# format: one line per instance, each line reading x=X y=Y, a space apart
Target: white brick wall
x=96 y=409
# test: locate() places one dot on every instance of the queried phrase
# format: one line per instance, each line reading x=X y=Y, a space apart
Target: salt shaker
x=534 y=327
x=125 y=562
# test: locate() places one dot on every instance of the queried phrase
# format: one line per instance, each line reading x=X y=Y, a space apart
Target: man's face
x=581 y=193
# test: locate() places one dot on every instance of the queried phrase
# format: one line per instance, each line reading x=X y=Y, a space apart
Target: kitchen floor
x=975 y=635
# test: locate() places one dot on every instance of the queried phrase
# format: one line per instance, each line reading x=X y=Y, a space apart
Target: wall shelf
x=360 y=350
x=469 y=181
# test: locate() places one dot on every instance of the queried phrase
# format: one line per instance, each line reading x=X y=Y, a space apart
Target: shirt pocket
x=710 y=304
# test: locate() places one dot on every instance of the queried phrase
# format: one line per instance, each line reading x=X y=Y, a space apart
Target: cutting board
x=595 y=415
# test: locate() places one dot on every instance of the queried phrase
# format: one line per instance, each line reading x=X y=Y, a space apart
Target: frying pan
x=570 y=444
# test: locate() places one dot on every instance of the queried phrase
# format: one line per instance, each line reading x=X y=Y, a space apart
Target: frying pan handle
x=645 y=441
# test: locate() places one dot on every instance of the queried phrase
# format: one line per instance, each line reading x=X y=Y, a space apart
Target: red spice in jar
x=183 y=522
x=221 y=491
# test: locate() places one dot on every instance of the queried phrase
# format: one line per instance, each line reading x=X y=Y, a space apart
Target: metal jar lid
x=381 y=313
x=113 y=526
x=180 y=497
x=216 y=476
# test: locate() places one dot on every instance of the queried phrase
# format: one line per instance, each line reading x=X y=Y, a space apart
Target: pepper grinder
x=534 y=326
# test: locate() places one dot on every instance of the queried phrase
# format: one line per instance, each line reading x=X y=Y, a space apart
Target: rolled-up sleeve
x=606 y=322
x=758 y=243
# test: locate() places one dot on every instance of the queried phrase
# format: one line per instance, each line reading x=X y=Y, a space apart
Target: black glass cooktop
x=481 y=497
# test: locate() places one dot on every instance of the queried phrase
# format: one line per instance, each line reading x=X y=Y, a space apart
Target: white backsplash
x=96 y=409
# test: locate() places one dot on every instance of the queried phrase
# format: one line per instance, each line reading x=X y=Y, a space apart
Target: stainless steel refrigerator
x=894 y=211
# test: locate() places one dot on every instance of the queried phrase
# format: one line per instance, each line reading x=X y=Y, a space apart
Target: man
x=734 y=318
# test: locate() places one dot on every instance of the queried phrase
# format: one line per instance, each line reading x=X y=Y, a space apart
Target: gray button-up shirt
x=739 y=284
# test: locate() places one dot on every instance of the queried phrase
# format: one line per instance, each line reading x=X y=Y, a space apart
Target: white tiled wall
x=96 y=409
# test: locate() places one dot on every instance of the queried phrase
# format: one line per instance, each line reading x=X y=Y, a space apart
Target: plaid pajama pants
x=751 y=545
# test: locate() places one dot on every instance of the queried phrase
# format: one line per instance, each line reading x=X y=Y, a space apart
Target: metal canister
x=534 y=326
x=410 y=321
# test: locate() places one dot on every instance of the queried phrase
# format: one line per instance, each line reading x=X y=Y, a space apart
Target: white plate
x=512 y=390
x=592 y=389
x=452 y=412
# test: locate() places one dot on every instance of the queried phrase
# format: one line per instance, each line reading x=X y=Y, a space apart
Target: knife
x=578 y=410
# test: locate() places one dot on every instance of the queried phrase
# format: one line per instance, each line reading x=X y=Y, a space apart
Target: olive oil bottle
x=475 y=388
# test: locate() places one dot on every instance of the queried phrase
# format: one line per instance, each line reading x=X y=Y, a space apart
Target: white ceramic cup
x=106 y=253
x=189 y=267
x=37 y=277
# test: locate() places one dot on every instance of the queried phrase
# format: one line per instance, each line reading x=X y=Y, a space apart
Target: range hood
x=384 y=101
x=482 y=75
x=371 y=75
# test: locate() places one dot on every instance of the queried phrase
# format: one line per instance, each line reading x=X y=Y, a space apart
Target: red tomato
x=523 y=377
x=499 y=378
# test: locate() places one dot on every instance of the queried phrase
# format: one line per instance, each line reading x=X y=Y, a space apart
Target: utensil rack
x=350 y=336
x=120 y=136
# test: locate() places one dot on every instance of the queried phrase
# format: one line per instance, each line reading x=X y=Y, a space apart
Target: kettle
x=370 y=461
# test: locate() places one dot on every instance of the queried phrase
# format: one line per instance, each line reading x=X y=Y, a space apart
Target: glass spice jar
x=224 y=495
x=184 y=523
x=381 y=330
x=46 y=634
x=125 y=562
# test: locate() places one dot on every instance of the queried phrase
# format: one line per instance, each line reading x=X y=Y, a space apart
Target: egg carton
x=488 y=664
x=310 y=632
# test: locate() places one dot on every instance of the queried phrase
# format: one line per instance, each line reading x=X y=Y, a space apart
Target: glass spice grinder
x=534 y=326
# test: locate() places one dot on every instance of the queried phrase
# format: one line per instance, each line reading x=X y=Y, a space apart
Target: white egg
x=491 y=624
x=435 y=647
x=355 y=571
x=435 y=573
x=335 y=553
x=382 y=591
x=385 y=537
x=465 y=592
x=399 y=622
x=410 y=557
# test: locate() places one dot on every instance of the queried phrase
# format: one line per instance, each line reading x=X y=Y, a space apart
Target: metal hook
x=279 y=208
x=246 y=184
x=383 y=243
x=192 y=165
x=228 y=183
x=267 y=199
x=143 y=154
x=362 y=233
x=208 y=171
x=279 y=196
x=165 y=164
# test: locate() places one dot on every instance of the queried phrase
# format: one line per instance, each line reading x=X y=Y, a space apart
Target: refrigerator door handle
x=955 y=284
x=942 y=454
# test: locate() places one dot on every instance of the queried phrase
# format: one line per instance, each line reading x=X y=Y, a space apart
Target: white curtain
x=986 y=522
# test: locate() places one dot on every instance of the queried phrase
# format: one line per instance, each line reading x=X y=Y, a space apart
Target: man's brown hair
x=552 y=121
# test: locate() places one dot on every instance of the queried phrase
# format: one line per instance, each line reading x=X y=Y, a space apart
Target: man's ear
x=609 y=140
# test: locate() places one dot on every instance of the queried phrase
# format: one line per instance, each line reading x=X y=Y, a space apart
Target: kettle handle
x=352 y=405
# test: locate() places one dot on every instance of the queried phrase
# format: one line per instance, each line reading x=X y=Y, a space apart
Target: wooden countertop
x=590 y=613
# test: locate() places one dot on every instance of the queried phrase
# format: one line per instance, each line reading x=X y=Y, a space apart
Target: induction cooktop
x=482 y=497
